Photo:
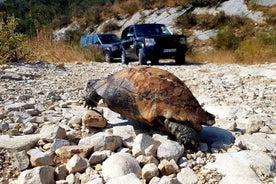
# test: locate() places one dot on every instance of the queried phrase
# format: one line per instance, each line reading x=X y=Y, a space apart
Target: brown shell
x=147 y=94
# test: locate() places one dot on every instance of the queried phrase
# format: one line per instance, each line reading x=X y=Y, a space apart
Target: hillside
x=217 y=30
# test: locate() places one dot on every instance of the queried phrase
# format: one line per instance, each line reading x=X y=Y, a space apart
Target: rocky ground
x=46 y=135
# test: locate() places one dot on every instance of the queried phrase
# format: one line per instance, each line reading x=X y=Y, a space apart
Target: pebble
x=44 y=117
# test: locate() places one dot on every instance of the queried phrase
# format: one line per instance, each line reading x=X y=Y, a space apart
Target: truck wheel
x=107 y=57
x=124 y=59
x=142 y=57
x=155 y=61
x=180 y=59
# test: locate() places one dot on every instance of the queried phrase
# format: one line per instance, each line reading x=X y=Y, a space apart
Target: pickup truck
x=151 y=42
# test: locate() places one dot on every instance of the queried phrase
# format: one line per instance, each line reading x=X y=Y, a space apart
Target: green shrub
x=226 y=39
x=12 y=47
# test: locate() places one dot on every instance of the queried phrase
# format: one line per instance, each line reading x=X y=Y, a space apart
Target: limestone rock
x=18 y=143
x=102 y=141
x=170 y=150
x=21 y=160
x=120 y=164
x=243 y=167
x=39 y=158
x=149 y=171
x=93 y=119
x=128 y=178
x=37 y=175
x=61 y=172
x=127 y=133
x=58 y=143
x=66 y=152
x=144 y=145
x=51 y=132
x=187 y=176
x=76 y=164
x=168 y=167
x=98 y=156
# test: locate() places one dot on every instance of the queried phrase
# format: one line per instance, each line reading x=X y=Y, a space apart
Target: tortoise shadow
x=214 y=135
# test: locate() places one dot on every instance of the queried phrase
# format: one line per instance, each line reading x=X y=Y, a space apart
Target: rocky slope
x=43 y=128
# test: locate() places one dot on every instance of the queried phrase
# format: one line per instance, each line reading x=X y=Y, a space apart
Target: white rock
x=128 y=178
x=102 y=141
x=168 y=167
x=143 y=159
x=256 y=142
x=93 y=119
x=168 y=180
x=37 y=175
x=18 y=143
x=39 y=158
x=127 y=133
x=243 y=167
x=149 y=171
x=170 y=150
x=120 y=164
x=187 y=176
x=21 y=161
x=51 y=132
x=142 y=142
x=58 y=143
x=99 y=156
x=76 y=164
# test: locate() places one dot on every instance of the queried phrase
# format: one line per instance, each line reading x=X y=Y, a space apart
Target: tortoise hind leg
x=184 y=134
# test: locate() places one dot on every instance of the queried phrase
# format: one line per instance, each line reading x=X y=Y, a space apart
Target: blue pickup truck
x=108 y=43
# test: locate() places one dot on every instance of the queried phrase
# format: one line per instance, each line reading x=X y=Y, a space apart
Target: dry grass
x=45 y=49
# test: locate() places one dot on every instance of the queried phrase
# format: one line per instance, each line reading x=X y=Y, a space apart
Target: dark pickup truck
x=151 y=42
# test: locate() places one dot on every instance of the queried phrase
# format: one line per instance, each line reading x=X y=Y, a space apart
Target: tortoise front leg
x=184 y=134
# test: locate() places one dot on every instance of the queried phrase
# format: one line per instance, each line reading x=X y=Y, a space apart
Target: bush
x=12 y=47
x=226 y=39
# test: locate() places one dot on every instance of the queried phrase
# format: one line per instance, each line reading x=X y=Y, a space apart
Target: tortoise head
x=91 y=98
x=204 y=117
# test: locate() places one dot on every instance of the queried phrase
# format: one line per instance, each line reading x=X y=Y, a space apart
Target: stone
x=95 y=181
x=256 y=142
x=149 y=171
x=187 y=176
x=127 y=133
x=143 y=160
x=66 y=152
x=37 y=175
x=21 y=161
x=18 y=143
x=51 y=132
x=99 y=156
x=18 y=106
x=168 y=180
x=170 y=150
x=243 y=167
x=76 y=164
x=128 y=178
x=168 y=167
x=141 y=143
x=102 y=141
x=120 y=164
x=61 y=172
x=39 y=158
x=58 y=143
x=93 y=118
x=61 y=182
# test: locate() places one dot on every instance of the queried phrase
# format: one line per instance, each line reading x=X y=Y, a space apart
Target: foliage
x=226 y=39
x=12 y=47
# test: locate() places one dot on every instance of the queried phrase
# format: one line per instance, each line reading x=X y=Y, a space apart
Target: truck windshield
x=107 y=39
x=151 y=30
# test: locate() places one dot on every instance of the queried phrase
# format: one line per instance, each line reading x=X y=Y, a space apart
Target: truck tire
x=142 y=57
x=124 y=59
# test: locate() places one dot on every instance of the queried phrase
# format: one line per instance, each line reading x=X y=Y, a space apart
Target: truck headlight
x=149 y=42
x=182 y=40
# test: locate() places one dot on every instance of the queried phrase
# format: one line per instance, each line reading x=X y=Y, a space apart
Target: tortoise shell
x=149 y=95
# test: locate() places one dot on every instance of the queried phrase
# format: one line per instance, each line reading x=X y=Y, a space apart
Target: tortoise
x=155 y=97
